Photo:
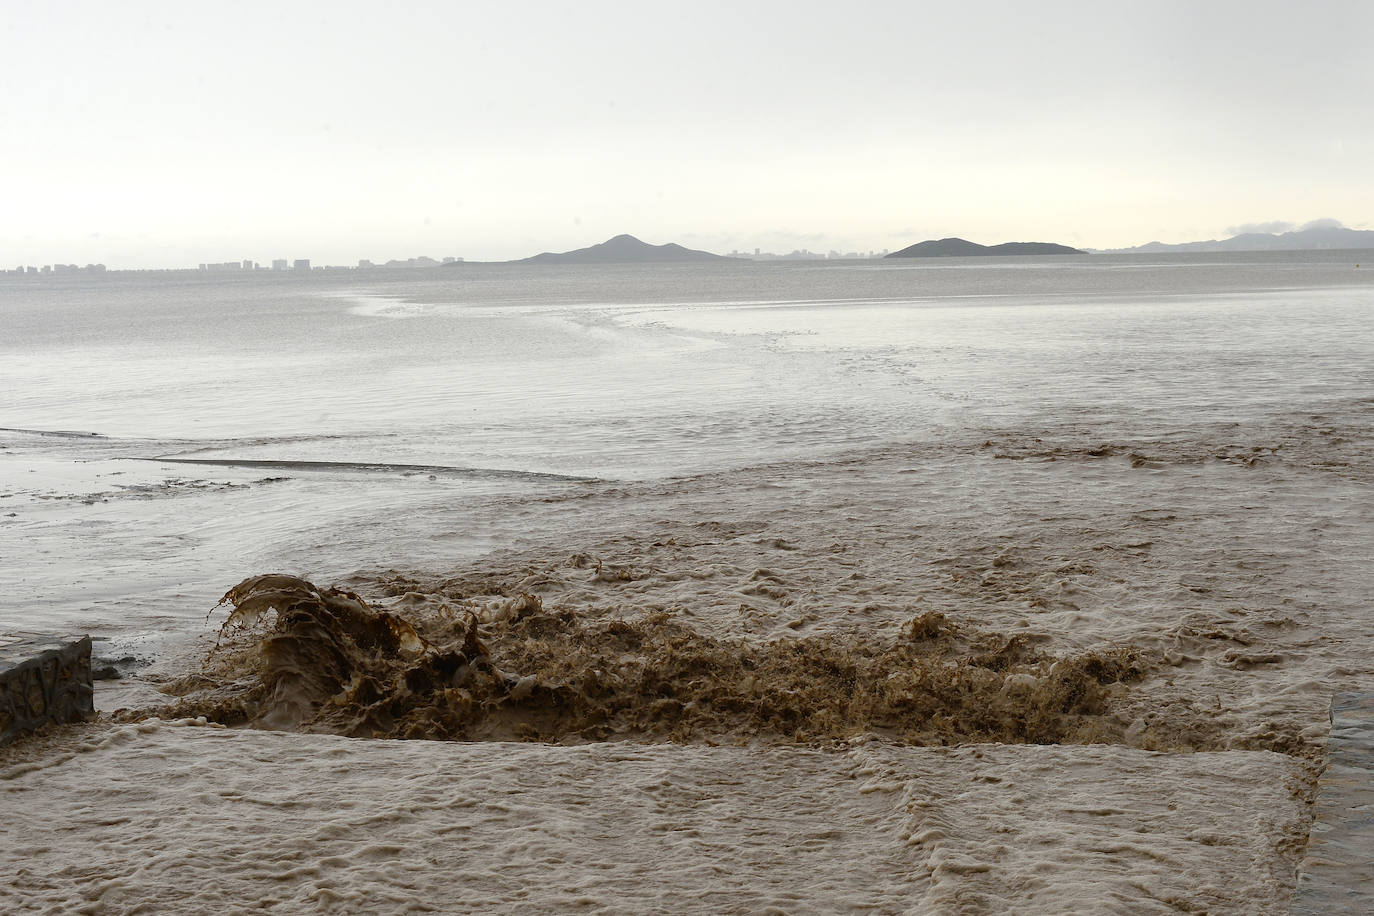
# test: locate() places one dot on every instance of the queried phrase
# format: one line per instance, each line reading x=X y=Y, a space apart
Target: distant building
x=279 y=264
x=300 y=264
x=364 y=264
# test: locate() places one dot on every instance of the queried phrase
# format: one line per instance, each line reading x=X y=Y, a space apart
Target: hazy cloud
x=1275 y=227
x=1279 y=226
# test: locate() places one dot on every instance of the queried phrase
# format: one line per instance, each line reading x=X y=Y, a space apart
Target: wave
x=381 y=467
x=369 y=305
x=292 y=655
x=57 y=433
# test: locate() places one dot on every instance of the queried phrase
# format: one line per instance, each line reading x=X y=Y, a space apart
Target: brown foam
x=296 y=656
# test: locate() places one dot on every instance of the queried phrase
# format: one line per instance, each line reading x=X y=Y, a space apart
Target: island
x=1319 y=235
x=624 y=249
x=962 y=248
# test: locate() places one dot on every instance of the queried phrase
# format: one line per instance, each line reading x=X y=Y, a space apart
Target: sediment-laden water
x=1099 y=523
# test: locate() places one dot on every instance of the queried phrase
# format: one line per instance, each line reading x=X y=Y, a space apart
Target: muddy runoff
x=295 y=656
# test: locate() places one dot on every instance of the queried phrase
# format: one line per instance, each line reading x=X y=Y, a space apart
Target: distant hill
x=623 y=249
x=1314 y=238
x=961 y=248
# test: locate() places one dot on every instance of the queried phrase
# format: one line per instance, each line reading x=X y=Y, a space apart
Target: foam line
x=61 y=433
x=485 y=473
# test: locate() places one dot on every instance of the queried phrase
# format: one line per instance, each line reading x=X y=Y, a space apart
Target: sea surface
x=956 y=586
x=340 y=420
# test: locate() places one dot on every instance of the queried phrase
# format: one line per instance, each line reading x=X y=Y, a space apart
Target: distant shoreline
x=100 y=270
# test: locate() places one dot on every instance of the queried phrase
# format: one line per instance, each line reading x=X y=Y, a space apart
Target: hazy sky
x=164 y=134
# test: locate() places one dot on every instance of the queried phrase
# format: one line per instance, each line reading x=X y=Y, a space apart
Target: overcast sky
x=165 y=134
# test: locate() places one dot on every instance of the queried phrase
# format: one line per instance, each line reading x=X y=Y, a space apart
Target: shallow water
x=421 y=826
x=621 y=373
x=1164 y=461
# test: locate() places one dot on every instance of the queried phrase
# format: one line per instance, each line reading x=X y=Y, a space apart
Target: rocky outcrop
x=43 y=679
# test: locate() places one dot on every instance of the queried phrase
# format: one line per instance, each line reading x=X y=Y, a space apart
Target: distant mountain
x=623 y=249
x=1314 y=238
x=961 y=248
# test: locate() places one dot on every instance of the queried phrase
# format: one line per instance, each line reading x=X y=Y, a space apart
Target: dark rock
x=43 y=680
